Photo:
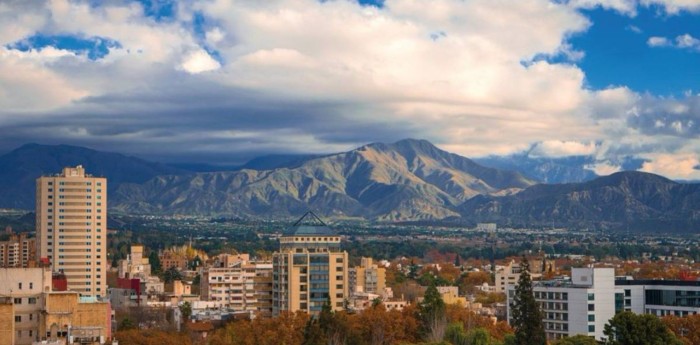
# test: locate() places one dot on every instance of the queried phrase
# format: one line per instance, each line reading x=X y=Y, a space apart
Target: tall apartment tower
x=71 y=220
x=309 y=269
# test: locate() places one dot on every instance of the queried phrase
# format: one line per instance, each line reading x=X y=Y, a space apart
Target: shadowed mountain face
x=20 y=168
x=632 y=200
x=406 y=180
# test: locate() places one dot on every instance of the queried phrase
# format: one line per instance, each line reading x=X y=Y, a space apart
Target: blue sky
x=617 y=53
x=219 y=81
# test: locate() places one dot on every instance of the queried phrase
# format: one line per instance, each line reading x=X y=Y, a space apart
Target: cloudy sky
x=222 y=80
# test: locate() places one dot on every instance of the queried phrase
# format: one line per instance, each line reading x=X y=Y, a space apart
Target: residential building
x=69 y=317
x=309 y=269
x=25 y=288
x=71 y=224
x=239 y=284
x=368 y=277
x=510 y=274
x=7 y=321
x=18 y=251
x=135 y=265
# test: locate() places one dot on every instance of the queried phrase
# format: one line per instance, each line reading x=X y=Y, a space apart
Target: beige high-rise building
x=71 y=220
x=309 y=269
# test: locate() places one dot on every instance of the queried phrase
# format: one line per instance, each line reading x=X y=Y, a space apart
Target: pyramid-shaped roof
x=309 y=224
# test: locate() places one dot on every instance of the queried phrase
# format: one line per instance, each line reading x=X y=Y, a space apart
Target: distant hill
x=406 y=180
x=634 y=200
x=20 y=168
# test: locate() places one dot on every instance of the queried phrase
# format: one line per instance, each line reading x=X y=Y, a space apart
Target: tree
x=627 y=328
x=686 y=328
x=432 y=315
x=527 y=316
x=171 y=274
x=579 y=339
x=186 y=310
x=154 y=261
x=126 y=324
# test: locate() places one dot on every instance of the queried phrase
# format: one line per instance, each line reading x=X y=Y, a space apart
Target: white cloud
x=674 y=166
x=656 y=41
x=685 y=41
x=560 y=148
x=199 y=61
x=674 y=7
x=627 y=7
x=308 y=76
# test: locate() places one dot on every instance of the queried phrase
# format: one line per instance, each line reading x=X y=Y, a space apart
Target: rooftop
x=309 y=224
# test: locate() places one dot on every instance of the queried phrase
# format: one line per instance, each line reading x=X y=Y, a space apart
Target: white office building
x=580 y=305
x=586 y=302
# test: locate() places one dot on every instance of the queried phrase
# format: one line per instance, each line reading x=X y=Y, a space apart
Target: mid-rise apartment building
x=71 y=224
x=25 y=289
x=239 y=284
x=368 y=277
x=509 y=274
x=310 y=269
x=18 y=251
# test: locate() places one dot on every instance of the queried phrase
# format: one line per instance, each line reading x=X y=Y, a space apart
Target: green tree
x=432 y=315
x=126 y=324
x=456 y=335
x=628 y=328
x=154 y=261
x=186 y=310
x=171 y=274
x=479 y=336
x=527 y=316
x=579 y=339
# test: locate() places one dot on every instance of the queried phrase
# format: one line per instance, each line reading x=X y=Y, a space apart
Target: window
x=591 y=307
x=591 y=297
x=591 y=317
x=18 y=301
x=591 y=328
x=19 y=285
x=31 y=285
x=18 y=318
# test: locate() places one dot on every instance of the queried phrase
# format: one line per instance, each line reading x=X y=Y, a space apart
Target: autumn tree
x=628 y=328
x=152 y=337
x=527 y=316
x=432 y=315
x=686 y=328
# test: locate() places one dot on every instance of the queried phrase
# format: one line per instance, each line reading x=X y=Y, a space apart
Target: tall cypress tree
x=527 y=316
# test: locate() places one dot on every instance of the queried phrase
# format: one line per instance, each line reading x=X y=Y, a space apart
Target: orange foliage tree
x=685 y=328
x=152 y=337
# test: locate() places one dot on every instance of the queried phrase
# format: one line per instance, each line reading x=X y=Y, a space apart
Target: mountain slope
x=20 y=168
x=410 y=179
x=622 y=199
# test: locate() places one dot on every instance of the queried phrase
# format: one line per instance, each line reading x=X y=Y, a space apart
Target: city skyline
x=224 y=81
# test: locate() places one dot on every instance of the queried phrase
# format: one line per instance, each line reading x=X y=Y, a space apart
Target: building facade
x=581 y=305
x=309 y=269
x=368 y=277
x=509 y=274
x=586 y=302
x=71 y=221
x=18 y=251
x=240 y=285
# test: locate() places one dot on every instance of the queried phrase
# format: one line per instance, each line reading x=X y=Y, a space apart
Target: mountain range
x=408 y=180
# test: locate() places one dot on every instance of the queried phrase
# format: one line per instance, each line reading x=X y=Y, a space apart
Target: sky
x=220 y=81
